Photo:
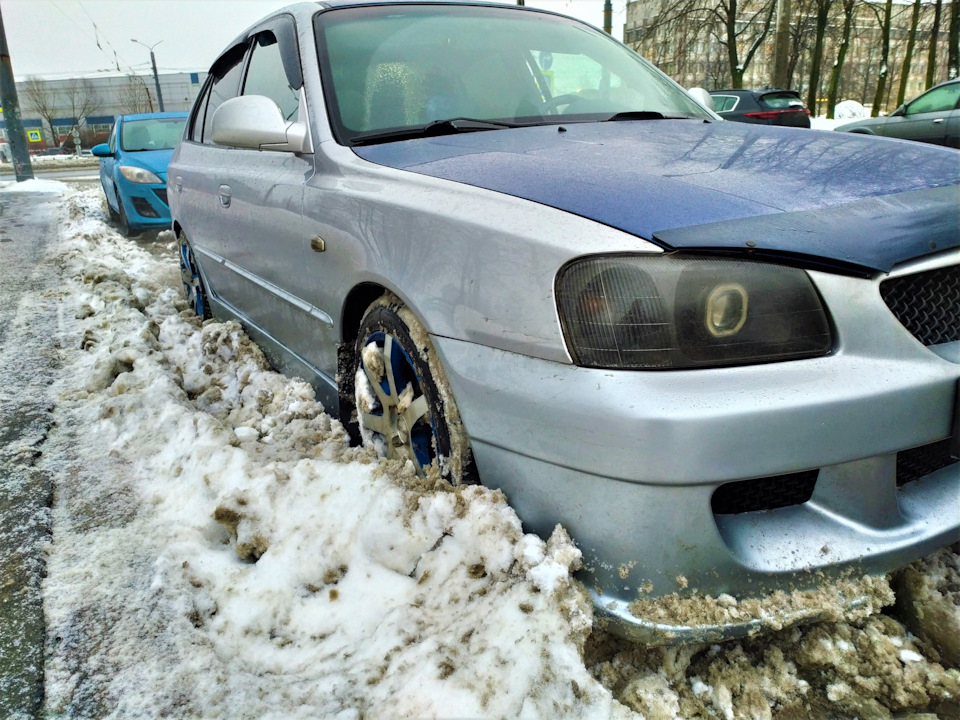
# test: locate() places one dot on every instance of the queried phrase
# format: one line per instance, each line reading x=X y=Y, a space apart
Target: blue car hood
x=155 y=161
x=820 y=198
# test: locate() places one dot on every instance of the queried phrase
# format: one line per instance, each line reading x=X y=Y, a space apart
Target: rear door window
x=725 y=103
x=781 y=101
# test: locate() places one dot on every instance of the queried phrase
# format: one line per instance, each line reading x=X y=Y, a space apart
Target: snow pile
x=34 y=185
x=850 y=110
x=928 y=599
x=869 y=669
x=220 y=551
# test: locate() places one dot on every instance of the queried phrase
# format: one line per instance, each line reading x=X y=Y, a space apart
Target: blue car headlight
x=138 y=175
x=672 y=312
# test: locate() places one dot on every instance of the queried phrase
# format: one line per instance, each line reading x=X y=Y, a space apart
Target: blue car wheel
x=123 y=224
x=192 y=282
x=401 y=409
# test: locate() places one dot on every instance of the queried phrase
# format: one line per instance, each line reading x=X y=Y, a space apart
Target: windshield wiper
x=451 y=126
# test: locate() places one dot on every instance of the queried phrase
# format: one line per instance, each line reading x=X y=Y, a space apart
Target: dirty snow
x=220 y=551
x=34 y=185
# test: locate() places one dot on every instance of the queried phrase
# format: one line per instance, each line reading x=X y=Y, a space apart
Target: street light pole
x=11 y=113
x=153 y=62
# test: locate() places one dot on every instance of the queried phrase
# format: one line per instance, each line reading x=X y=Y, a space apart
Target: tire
x=193 y=288
x=123 y=223
x=405 y=408
x=111 y=213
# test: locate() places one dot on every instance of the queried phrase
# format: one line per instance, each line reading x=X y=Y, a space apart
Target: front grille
x=162 y=194
x=927 y=304
x=917 y=462
x=766 y=493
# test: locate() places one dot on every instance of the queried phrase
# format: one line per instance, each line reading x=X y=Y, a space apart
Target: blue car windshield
x=395 y=67
x=152 y=134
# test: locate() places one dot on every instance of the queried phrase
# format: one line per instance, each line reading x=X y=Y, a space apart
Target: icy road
x=213 y=548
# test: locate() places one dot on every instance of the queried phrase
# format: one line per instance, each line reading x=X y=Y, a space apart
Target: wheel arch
x=355 y=305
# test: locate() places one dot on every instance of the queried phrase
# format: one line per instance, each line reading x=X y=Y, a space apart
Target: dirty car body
x=713 y=351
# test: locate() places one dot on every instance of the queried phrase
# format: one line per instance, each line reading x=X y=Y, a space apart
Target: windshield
x=153 y=134
x=396 y=67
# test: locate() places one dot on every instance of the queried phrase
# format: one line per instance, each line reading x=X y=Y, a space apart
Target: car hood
x=819 y=198
x=155 y=161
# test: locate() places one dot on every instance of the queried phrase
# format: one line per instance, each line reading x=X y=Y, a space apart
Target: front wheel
x=192 y=281
x=405 y=408
x=123 y=222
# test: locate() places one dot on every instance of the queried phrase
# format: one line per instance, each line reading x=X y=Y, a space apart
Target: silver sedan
x=506 y=249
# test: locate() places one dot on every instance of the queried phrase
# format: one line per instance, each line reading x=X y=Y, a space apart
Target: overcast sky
x=73 y=37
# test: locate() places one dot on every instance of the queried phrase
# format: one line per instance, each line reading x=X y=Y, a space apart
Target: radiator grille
x=913 y=464
x=162 y=194
x=927 y=304
x=766 y=493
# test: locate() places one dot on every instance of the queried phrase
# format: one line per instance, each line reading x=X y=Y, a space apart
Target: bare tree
x=736 y=28
x=823 y=8
x=953 y=41
x=42 y=99
x=884 y=55
x=932 y=50
x=801 y=28
x=134 y=96
x=76 y=99
x=908 y=56
x=833 y=88
x=82 y=100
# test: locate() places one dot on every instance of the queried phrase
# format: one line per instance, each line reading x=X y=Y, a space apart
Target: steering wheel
x=551 y=106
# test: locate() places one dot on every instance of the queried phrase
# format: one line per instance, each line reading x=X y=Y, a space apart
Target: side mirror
x=902 y=110
x=702 y=97
x=102 y=150
x=255 y=122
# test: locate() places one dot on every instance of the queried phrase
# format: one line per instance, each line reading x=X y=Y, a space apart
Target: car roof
x=748 y=91
x=303 y=11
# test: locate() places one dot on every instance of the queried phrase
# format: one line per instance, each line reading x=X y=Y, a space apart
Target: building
x=90 y=104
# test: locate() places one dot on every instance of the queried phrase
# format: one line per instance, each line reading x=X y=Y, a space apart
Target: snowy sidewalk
x=28 y=364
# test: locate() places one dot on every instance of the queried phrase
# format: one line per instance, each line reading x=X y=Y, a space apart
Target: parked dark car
x=505 y=248
x=771 y=106
x=933 y=117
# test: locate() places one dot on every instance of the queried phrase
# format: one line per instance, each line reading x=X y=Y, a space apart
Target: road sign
x=33 y=135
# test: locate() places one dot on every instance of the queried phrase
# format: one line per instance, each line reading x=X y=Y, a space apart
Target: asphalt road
x=28 y=362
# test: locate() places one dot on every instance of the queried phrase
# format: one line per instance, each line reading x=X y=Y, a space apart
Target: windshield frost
x=402 y=67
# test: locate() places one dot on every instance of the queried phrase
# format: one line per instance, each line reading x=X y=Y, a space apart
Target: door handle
x=225 y=196
x=178 y=183
x=938 y=121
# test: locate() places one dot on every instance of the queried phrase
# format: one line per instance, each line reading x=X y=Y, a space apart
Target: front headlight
x=138 y=175
x=670 y=312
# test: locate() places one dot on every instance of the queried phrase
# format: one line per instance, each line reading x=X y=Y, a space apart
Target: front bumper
x=145 y=205
x=629 y=463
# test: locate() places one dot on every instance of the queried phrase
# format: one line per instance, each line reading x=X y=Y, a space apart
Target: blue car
x=133 y=169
